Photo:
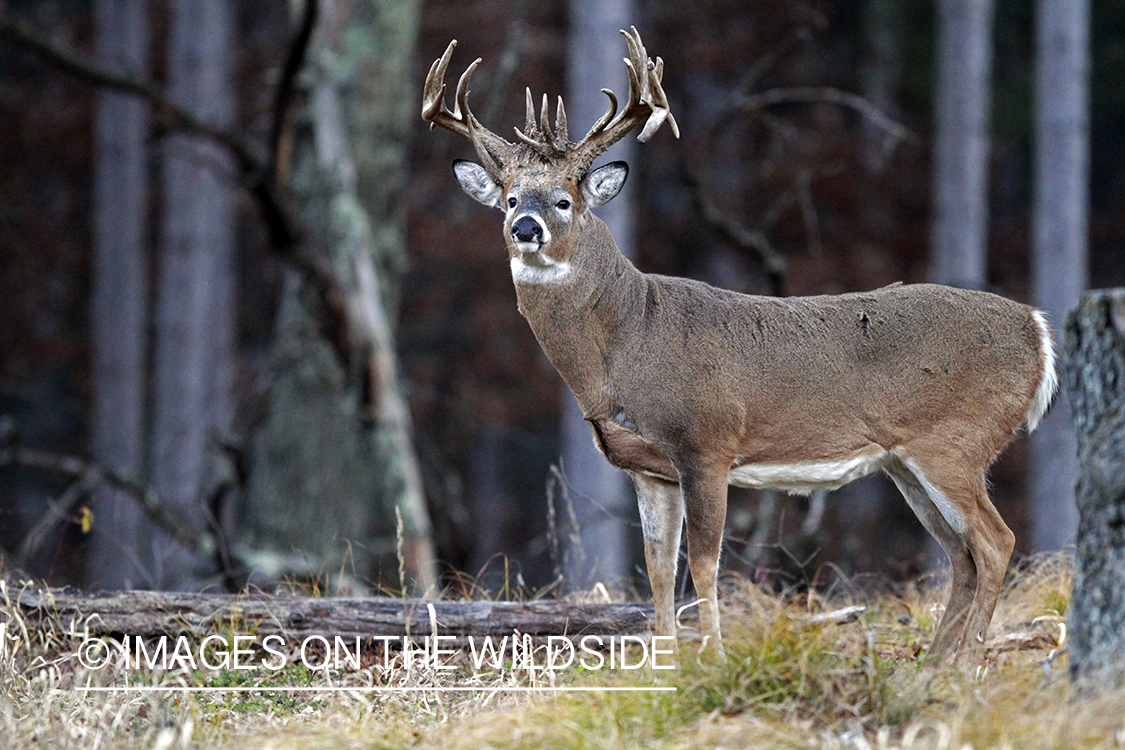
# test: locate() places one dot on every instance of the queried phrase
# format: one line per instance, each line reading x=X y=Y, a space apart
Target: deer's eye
x=511 y=203
x=564 y=204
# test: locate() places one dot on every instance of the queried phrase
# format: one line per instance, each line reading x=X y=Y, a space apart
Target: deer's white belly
x=802 y=477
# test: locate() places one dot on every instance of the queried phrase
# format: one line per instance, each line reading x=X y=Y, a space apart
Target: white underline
x=457 y=689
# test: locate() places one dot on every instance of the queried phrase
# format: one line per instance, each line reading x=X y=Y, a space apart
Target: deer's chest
x=626 y=449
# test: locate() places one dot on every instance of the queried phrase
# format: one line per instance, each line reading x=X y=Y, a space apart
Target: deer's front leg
x=662 y=520
x=704 y=488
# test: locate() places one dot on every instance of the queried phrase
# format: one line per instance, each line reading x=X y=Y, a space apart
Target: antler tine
x=604 y=119
x=529 y=119
x=562 y=136
x=434 y=110
x=491 y=148
x=647 y=103
x=545 y=119
x=542 y=147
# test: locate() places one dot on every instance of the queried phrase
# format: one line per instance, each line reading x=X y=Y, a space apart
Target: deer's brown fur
x=688 y=387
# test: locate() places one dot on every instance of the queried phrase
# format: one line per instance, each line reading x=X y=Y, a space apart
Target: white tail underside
x=1049 y=380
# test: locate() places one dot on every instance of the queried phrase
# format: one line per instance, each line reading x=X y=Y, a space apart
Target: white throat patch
x=538 y=269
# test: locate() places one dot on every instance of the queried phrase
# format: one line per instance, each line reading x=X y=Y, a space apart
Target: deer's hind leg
x=959 y=491
x=964 y=570
x=662 y=521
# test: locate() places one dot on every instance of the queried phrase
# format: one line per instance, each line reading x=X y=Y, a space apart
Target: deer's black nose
x=526 y=229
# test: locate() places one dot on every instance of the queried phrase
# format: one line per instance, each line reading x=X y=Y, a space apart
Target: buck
x=690 y=388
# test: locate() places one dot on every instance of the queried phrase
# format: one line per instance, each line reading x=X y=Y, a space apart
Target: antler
x=491 y=148
x=646 y=103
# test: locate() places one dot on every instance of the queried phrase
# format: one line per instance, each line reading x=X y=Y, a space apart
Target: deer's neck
x=583 y=320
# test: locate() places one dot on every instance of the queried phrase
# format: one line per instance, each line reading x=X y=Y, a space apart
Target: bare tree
x=603 y=500
x=118 y=554
x=195 y=316
x=335 y=457
x=1059 y=236
x=964 y=63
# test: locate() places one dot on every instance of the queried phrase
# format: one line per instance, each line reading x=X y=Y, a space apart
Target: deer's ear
x=600 y=186
x=475 y=181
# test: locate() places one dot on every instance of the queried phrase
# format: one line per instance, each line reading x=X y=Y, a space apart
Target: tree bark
x=964 y=59
x=335 y=458
x=195 y=322
x=118 y=553
x=1094 y=375
x=1059 y=237
x=149 y=614
x=380 y=115
x=601 y=493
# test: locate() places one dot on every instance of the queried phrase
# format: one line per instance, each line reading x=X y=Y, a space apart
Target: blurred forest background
x=251 y=330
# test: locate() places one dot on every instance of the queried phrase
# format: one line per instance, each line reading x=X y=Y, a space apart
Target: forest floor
x=788 y=681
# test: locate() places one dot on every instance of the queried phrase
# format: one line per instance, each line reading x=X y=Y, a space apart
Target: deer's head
x=543 y=182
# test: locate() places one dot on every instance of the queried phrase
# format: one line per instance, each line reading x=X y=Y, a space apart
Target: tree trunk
x=601 y=494
x=1059 y=265
x=964 y=64
x=1094 y=375
x=150 y=614
x=381 y=114
x=118 y=554
x=195 y=321
x=335 y=458
x=884 y=33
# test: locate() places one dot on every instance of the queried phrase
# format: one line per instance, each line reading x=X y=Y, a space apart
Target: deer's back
x=874 y=367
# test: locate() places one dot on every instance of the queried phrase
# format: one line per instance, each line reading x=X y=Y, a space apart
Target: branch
x=730 y=229
x=896 y=131
x=167 y=112
x=802 y=33
x=294 y=61
x=284 y=230
x=150 y=614
x=89 y=477
x=58 y=510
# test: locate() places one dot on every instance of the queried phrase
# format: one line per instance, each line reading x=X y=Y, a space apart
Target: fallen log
x=150 y=614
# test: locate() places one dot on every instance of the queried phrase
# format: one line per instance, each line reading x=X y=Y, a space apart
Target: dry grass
x=786 y=683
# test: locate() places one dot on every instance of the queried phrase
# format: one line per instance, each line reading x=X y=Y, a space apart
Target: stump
x=1094 y=376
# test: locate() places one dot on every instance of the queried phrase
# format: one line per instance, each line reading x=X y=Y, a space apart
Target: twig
x=285 y=233
x=837 y=616
x=92 y=475
x=553 y=530
x=759 y=67
x=727 y=227
x=813 y=94
x=576 y=549
x=808 y=212
x=294 y=61
x=58 y=510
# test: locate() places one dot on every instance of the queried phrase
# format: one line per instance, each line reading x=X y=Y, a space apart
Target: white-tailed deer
x=689 y=388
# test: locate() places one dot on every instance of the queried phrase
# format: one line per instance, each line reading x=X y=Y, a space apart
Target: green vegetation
x=788 y=681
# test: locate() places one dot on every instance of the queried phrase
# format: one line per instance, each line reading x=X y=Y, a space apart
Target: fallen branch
x=149 y=614
x=837 y=616
x=1024 y=640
